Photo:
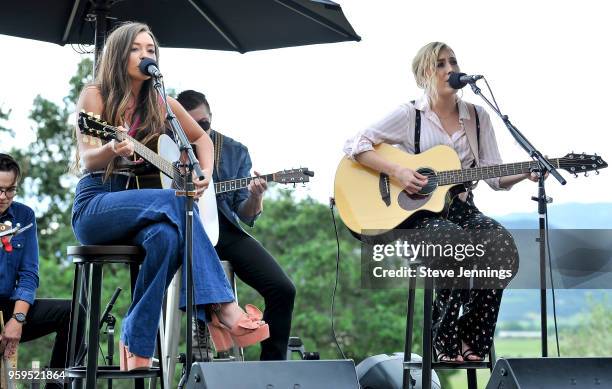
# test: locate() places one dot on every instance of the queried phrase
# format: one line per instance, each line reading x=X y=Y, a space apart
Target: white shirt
x=397 y=128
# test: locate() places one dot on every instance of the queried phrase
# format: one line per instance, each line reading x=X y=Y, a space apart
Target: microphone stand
x=192 y=165
x=544 y=166
x=110 y=321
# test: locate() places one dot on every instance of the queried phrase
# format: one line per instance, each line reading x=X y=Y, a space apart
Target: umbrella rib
x=209 y=16
x=68 y=28
x=292 y=5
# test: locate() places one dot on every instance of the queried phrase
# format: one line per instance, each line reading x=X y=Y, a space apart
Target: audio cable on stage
x=332 y=203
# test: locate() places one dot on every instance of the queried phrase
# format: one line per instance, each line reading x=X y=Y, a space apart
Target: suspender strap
x=477 y=128
x=417 y=131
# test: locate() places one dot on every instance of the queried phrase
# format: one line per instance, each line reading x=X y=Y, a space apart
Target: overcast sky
x=547 y=61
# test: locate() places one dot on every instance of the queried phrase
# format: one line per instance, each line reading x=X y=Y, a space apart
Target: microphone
x=149 y=67
x=459 y=80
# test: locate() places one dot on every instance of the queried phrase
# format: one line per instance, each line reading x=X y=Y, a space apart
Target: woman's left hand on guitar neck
x=508 y=181
x=201 y=185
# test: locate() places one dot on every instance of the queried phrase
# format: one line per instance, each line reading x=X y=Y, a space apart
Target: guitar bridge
x=385 y=190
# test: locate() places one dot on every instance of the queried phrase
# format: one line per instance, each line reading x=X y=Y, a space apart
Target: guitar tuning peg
x=586 y=174
x=575 y=175
x=97 y=116
x=596 y=172
x=89 y=113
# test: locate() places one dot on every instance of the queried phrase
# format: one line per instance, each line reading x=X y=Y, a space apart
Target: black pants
x=480 y=304
x=48 y=316
x=258 y=269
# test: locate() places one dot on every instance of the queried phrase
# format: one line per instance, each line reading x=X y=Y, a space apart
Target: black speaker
x=557 y=373
x=336 y=374
x=385 y=371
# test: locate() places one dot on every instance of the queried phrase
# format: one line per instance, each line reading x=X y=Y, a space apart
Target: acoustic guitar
x=168 y=174
x=370 y=203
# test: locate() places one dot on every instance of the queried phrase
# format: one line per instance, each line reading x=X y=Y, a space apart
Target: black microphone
x=149 y=67
x=459 y=80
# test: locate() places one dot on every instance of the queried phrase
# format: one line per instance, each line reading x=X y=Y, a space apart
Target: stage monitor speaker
x=386 y=372
x=330 y=374
x=557 y=373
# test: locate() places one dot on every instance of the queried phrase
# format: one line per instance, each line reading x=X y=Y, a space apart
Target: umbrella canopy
x=235 y=25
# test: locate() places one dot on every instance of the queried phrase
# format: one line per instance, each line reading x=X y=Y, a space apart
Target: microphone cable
x=332 y=203
x=552 y=284
x=548 y=250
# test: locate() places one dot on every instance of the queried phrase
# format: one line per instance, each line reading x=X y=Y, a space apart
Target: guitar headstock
x=582 y=163
x=90 y=124
x=293 y=176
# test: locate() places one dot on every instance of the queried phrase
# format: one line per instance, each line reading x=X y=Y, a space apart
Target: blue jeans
x=104 y=212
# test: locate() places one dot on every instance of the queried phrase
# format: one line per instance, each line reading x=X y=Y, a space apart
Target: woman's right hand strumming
x=411 y=180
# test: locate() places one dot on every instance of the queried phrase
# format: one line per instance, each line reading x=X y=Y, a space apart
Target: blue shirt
x=235 y=162
x=19 y=268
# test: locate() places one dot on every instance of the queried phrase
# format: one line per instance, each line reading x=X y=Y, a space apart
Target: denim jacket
x=19 y=268
x=232 y=162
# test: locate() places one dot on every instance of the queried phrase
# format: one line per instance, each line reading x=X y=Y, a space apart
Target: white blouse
x=397 y=128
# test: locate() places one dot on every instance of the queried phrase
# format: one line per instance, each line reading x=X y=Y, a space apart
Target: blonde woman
x=440 y=117
x=105 y=211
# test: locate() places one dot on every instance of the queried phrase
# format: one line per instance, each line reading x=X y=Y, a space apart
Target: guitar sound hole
x=432 y=181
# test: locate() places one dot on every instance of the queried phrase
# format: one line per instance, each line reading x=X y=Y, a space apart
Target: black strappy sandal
x=440 y=356
x=468 y=353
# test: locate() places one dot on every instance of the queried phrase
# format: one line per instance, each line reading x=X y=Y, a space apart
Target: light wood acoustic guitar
x=164 y=155
x=370 y=203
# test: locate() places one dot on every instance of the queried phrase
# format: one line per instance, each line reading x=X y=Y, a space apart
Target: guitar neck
x=149 y=155
x=452 y=177
x=239 y=183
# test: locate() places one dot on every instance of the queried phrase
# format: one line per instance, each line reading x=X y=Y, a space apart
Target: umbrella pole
x=101 y=12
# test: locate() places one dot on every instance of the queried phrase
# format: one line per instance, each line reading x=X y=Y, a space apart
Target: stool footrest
x=449 y=365
x=106 y=372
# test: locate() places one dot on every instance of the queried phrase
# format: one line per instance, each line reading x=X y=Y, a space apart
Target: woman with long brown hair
x=105 y=211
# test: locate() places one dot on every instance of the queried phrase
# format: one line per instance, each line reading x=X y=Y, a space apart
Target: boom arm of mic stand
x=179 y=133
x=522 y=141
x=192 y=166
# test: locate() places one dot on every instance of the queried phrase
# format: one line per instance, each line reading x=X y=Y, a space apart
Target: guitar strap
x=218 y=144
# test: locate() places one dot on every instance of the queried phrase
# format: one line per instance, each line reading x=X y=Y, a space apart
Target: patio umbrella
x=234 y=25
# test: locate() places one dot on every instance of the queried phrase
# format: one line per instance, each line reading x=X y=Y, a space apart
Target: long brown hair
x=114 y=83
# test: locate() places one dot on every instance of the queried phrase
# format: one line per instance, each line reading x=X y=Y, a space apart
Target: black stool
x=427 y=364
x=88 y=262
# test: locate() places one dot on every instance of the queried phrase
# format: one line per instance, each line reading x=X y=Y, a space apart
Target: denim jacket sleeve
x=27 y=268
x=240 y=196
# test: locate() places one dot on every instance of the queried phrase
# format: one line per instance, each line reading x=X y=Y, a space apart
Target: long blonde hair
x=424 y=67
